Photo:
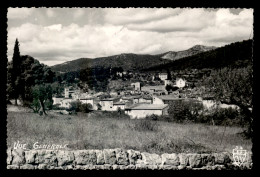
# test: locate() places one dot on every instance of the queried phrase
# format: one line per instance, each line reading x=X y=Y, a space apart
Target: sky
x=57 y=35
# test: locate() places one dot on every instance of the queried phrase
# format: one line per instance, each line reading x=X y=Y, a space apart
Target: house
x=180 y=83
x=57 y=100
x=163 y=76
x=167 y=82
x=142 y=110
x=65 y=103
x=89 y=100
x=107 y=104
x=166 y=99
x=121 y=105
x=70 y=92
x=136 y=85
x=153 y=89
x=143 y=99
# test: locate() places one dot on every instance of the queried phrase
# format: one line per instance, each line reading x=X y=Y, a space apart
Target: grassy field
x=98 y=131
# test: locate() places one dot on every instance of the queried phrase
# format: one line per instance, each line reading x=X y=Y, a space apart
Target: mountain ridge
x=129 y=61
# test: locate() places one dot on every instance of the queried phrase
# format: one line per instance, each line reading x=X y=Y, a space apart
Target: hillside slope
x=186 y=53
x=237 y=54
x=126 y=61
x=129 y=61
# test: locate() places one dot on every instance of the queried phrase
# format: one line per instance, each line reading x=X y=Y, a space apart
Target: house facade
x=180 y=82
x=107 y=104
x=140 y=111
x=163 y=76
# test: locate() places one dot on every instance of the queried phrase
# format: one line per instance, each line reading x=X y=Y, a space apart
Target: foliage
x=14 y=74
x=145 y=125
x=23 y=73
x=86 y=108
x=42 y=94
x=238 y=54
x=222 y=116
x=234 y=86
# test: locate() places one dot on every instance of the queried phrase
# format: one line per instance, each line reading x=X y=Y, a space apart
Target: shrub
x=152 y=117
x=75 y=106
x=145 y=125
x=85 y=108
x=222 y=116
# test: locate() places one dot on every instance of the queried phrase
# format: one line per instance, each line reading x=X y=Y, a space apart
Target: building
x=180 y=83
x=89 y=100
x=163 y=76
x=70 y=92
x=166 y=99
x=167 y=82
x=65 y=103
x=154 y=89
x=107 y=104
x=121 y=105
x=136 y=85
x=57 y=100
x=139 y=111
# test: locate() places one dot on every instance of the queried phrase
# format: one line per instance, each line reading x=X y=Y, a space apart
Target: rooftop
x=120 y=103
x=170 y=98
x=148 y=107
x=109 y=99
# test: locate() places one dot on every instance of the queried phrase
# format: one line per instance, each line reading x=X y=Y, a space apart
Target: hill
x=126 y=61
x=186 y=53
x=236 y=54
x=129 y=61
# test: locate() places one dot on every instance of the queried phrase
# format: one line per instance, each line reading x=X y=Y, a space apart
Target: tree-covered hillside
x=237 y=54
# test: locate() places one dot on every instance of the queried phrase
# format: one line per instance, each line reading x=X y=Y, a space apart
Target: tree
x=42 y=94
x=234 y=86
x=15 y=71
x=169 y=76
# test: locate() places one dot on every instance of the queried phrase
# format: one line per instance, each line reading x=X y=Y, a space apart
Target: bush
x=145 y=125
x=152 y=117
x=85 y=108
x=75 y=106
x=222 y=116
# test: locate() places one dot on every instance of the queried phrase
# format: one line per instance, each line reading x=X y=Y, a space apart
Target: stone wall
x=112 y=159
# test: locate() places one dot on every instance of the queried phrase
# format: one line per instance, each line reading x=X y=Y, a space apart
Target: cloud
x=19 y=13
x=78 y=13
x=50 y=12
x=137 y=15
x=113 y=31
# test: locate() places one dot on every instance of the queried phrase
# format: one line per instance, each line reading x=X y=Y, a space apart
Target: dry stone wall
x=118 y=159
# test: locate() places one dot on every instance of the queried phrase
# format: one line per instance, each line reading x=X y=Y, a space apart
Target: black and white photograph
x=129 y=88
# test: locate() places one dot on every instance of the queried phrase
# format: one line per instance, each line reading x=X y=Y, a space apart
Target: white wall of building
x=142 y=113
x=57 y=100
x=121 y=106
x=157 y=100
x=163 y=76
x=86 y=101
x=180 y=83
x=107 y=105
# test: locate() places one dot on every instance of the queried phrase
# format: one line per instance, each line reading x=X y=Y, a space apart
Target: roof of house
x=88 y=98
x=108 y=99
x=148 y=107
x=156 y=87
x=169 y=98
x=119 y=103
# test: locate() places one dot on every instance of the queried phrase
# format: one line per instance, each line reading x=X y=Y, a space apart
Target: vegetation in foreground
x=99 y=130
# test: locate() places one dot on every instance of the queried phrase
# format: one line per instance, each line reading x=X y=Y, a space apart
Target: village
x=138 y=101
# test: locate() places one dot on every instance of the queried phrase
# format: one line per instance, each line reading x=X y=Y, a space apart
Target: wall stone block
x=85 y=157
